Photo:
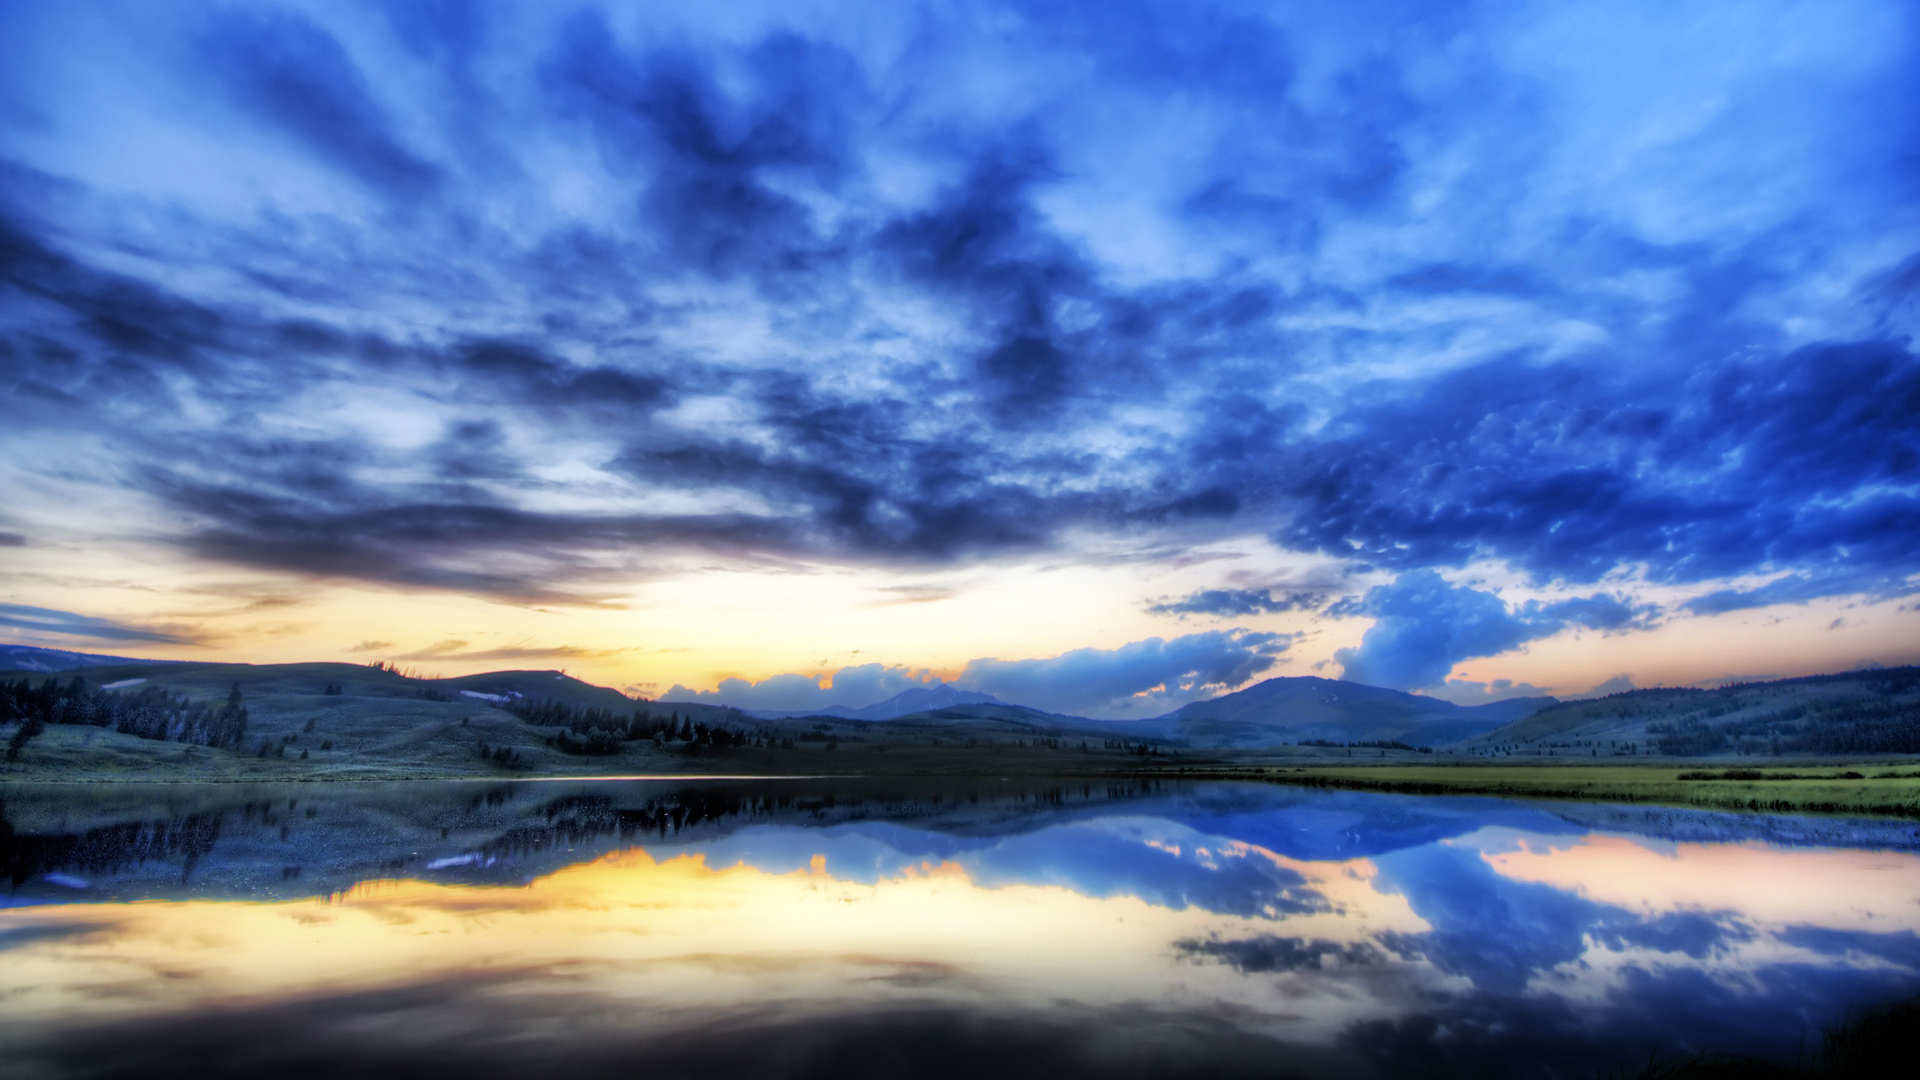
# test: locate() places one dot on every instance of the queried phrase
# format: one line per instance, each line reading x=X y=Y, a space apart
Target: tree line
x=1844 y=726
x=590 y=731
x=151 y=713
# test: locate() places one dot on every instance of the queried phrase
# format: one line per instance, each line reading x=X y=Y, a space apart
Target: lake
x=829 y=928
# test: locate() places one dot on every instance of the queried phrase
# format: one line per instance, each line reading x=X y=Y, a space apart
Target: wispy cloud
x=454 y=649
x=40 y=620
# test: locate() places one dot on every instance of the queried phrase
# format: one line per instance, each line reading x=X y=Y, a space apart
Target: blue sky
x=1276 y=339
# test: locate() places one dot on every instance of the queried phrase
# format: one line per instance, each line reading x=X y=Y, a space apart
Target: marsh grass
x=1833 y=788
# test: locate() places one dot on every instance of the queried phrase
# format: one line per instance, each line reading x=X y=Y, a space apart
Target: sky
x=1102 y=357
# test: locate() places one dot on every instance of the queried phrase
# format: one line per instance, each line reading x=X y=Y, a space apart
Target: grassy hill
x=339 y=721
x=326 y=721
x=1858 y=712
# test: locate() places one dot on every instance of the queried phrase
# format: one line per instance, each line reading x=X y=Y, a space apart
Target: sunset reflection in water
x=1114 y=942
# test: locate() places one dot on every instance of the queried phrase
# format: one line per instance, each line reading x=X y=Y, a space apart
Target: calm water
x=832 y=929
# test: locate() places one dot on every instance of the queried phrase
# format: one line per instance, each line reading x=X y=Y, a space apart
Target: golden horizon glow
x=699 y=625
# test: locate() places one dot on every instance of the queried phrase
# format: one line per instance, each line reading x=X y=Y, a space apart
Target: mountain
x=30 y=658
x=1000 y=718
x=906 y=702
x=1278 y=711
x=1294 y=709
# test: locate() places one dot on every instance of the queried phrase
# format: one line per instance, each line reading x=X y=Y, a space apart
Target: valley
x=1842 y=743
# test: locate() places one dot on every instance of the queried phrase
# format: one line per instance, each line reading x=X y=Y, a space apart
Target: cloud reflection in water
x=1120 y=943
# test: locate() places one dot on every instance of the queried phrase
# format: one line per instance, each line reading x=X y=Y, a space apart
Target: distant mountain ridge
x=1298 y=708
x=34 y=658
x=905 y=703
x=1278 y=711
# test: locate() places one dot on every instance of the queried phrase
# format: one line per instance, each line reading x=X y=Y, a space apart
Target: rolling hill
x=1871 y=711
x=1295 y=709
x=34 y=658
x=330 y=720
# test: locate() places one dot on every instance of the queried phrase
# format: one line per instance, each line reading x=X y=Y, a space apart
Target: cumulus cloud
x=855 y=686
x=1424 y=625
x=1470 y=692
x=1619 y=684
x=1139 y=679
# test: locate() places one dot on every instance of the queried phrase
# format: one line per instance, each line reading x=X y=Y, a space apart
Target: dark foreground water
x=980 y=929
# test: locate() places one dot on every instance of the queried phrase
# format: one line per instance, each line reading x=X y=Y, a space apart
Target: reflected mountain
x=865 y=928
x=65 y=843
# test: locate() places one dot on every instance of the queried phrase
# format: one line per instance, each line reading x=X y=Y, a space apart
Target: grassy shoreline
x=1826 y=787
x=1884 y=787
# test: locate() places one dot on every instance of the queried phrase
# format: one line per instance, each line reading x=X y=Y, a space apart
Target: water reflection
x=807 y=928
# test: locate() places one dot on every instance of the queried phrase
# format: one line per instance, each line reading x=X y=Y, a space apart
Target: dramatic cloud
x=1470 y=692
x=540 y=303
x=854 y=686
x=1232 y=602
x=1139 y=679
x=1423 y=626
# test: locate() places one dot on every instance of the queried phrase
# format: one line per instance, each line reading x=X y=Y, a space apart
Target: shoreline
x=1853 y=787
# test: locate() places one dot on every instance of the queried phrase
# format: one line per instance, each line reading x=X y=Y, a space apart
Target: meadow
x=342 y=722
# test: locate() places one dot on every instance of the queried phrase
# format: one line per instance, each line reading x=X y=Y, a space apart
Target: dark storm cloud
x=967 y=294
